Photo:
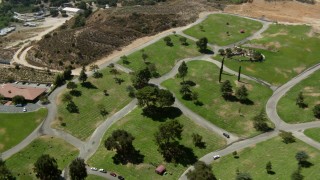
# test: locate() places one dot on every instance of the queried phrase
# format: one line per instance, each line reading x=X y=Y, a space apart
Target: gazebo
x=160 y=169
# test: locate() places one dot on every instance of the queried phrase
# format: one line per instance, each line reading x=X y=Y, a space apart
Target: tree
x=316 y=111
x=185 y=91
x=18 y=99
x=183 y=70
x=226 y=89
x=242 y=93
x=195 y=96
x=168 y=41
x=147 y=96
x=260 y=122
x=124 y=59
x=197 y=140
x=300 y=100
x=144 y=57
x=94 y=67
x=167 y=139
x=141 y=79
x=229 y=52
x=54 y=12
x=269 y=167
x=296 y=175
x=301 y=157
x=287 y=137
x=183 y=41
x=59 y=80
x=243 y=176
x=71 y=85
x=235 y=154
x=46 y=168
x=201 y=171
x=165 y=98
x=114 y=72
x=77 y=169
x=72 y=107
x=257 y=56
x=221 y=52
x=102 y=109
x=67 y=73
x=83 y=76
x=5 y=173
x=121 y=141
x=202 y=44
x=131 y=92
x=153 y=70
x=66 y=98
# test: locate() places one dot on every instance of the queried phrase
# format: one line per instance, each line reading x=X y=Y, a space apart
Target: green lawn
x=282 y=156
x=21 y=164
x=232 y=116
x=143 y=129
x=288 y=50
x=83 y=124
x=215 y=28
x=15 y=127
x=313 y=133
x=94 y=177
x=287 y=108
x=163 y=56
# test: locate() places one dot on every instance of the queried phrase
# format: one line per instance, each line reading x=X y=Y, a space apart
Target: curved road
x=88 y=148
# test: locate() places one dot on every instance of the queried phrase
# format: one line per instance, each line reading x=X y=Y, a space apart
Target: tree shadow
x=305 y=164
x=207 y=51
x=201 y=145
x=246 y=102
x=97 y=75
x=185 y=156
x=198 y=103
x=88 y=85
x=186 y=44
x=230 y=98
x=271 y=172
x=161 y=114
x=188 y=82
x=187 y=97
x=304 y=105
x=75 y=93
x=134 y=157
x=119 y=80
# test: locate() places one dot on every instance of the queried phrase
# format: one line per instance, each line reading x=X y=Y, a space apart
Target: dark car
x=226 y=135
x=120 y=177
x=113 y=174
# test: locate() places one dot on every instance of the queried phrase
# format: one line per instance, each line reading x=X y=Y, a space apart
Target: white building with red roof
x=29 y=93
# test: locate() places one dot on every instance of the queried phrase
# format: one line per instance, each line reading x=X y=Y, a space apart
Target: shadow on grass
x=201 y=145
x=75 y=93
x=271 y=172
x=161 y=114
x=88 y=85
x=188 y=82
x=186 y=156
x=207 y=51
x=305 y=164
x=246 y=102
x=134 y=157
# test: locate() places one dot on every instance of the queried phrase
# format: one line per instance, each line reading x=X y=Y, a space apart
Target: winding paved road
x=87 y=149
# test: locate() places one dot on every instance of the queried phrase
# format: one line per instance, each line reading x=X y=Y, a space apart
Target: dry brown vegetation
x=110 y=30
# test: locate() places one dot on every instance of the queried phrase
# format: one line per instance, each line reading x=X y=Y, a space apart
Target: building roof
x=160 y=169
x=70 y=9
x=29 y=93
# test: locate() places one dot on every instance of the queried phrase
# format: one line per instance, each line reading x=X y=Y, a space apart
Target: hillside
x=110 y=30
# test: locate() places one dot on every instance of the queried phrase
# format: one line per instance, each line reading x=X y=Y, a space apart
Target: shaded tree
x=46 y=168
x=124 y=59
x=94 y=67
x=71 y=85
x=296 y=175
x=168 y=41
x=316 y=111
x=141 y=79
x=59 y=80
x=242 y=93
x=269 y=167
x=301 y=157
x=202 y=171
x=287 y=137
x=67 y=73
x=66 y=97
x=114 y=72
x=300 y=100
x=102 y=109
x=83 y=76
x=72 y=107
x=197 y=140
x=185 y=91
x=131 y=91
x=221 y=52
x=18 y=99
x=226 y=89
x=5 y=173
x=144 y=57
x=165 y=98
x=243 y=176
x=183 y=70
x=77 y=169
x=183 y=41
x=260 y=122
x=202 y=44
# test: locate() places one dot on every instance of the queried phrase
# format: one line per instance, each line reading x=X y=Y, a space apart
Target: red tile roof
x=29 y=93
x=160 y=169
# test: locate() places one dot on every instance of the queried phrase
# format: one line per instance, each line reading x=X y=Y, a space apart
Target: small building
x=73 y=10
x=160 y=169
x=31 y=94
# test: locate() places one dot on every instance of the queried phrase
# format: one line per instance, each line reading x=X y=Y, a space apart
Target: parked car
x=226 y=135
x=113 y=174
x=19 y=105
x=120 y=177
x=102 y=170
x=216 y=157
x=94 y=169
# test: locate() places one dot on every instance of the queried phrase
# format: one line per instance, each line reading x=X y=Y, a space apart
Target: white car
x=102 y=170
x=94 y=169
x=24 y=109
x=216 y=157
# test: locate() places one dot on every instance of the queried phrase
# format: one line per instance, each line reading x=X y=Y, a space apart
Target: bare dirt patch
x=2 y=131
x=299 y=69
